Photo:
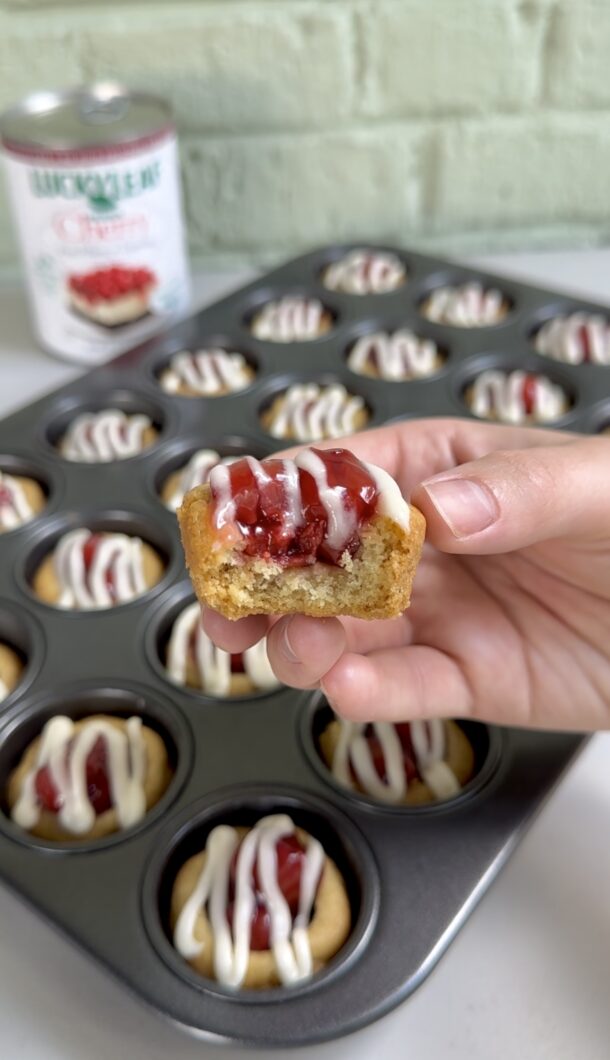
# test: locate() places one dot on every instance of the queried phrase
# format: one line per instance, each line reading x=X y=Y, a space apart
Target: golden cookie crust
x=34 y=495
x=156 y=780
x=149 y=437
x=327 y=931
x=46 y=585
x=11 y=667
x=459 y=757
x=360 y=420
x=374 y=584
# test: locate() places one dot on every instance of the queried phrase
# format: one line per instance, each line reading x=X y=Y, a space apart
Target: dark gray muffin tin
x=413 y=875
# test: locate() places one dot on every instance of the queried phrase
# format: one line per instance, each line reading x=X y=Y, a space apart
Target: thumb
x=511 y=499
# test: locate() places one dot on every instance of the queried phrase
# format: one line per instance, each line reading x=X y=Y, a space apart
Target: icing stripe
x=289 y=942
x=117 y=559
x=401 y=355
x=467 y=306
x=365 y=272
x=206 y=372
x=575 y=339
x=307 y=412
x=501 y=394
x=290 y=319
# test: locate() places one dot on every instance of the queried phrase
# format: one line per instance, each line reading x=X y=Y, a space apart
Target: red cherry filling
x=105 y=284
x=529 y=393
x=583 y=335
x=98 y=784
x=261 y=509
x=6 y=497
x=290 y=854
x=89 y=551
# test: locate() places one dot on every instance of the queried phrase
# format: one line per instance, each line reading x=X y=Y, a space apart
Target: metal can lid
x=89 y=116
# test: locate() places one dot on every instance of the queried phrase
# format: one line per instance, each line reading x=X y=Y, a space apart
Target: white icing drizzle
x=290 y=319
x=117 y=556
x=15 y=508
x=125 y=764
x=468 y=306
x=575 y=338
x=365 y=272
x=206 y=372
x=308 y=412
x=341 y=522
x=289 y=941
x=401 y=355
x=353 y=752
x=188 y=639
x=195 y=473
x=98 y=437
x=500 y=394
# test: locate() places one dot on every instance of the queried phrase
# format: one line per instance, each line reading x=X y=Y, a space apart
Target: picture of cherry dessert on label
x=260 y=907
x=577 y=338
x=402 y=764
x=398 y=356
x=21 y=499
x=363 y=272
x=110 y=434
x=322 y=534
x=308 y=412
x=194 y=473
x=11 y=668
x=206 y=373
x=86 y=779
x=292 y=318
x=516 y=397
x=89 y=570
x=469 y=305
x=113 y=295
x=193 y=661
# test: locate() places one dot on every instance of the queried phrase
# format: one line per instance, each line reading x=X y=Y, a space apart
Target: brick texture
x=446 y=123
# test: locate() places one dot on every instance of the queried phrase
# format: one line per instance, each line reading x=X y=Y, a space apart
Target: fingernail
x=285 y=646
x=466 y=505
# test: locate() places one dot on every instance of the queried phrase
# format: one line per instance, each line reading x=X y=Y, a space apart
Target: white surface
x=526 y=979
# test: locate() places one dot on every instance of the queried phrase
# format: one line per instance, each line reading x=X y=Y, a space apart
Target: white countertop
x=527 y=976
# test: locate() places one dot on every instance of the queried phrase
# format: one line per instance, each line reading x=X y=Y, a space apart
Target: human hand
x=510 y=614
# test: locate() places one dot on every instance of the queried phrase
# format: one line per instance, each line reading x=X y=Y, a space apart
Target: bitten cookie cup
x=88 y=570
x=365 y=272
x=468 y=305
x=193 y=661
x=83 y=780
x=260 y=907
x=403 y=764
x=291 y=319
x=307 y=412
x=107 y=435
x=516 y=397
x=206 y=373
x=21 y=499
x=11 y=668
x=323 y=534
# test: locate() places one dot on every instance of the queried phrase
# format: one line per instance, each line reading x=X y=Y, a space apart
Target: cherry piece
x=583 y=335
x=529 y=393
x=6 y=497
x=98 y=785
x=290 y=854
x=261 y=508
x=113 y=282
x=237 y=663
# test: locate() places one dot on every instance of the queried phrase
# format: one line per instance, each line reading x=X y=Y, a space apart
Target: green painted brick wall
x=450 y=124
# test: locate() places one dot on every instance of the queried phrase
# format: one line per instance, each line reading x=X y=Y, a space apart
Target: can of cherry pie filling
x=94 y=181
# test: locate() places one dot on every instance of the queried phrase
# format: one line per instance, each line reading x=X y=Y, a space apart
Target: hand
x=510 y=614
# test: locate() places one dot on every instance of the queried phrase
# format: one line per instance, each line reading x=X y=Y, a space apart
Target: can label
x=102 y=240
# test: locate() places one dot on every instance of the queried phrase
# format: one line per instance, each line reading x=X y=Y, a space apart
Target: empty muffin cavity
x=321 y=866
x=125 y=754
x=402 y=767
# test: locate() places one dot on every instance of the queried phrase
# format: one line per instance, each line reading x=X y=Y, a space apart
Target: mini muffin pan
x=412 y=874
